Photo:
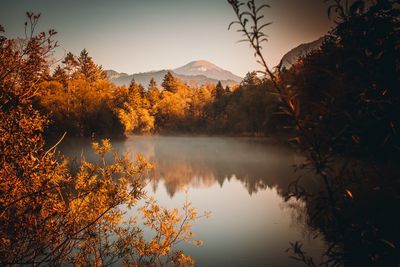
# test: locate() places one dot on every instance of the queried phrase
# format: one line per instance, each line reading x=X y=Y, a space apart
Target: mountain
x=293 y=55
x=197 y=72
x=113 y=75
x=203 y=67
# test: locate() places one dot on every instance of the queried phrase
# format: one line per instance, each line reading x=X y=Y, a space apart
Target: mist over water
x=239 y=180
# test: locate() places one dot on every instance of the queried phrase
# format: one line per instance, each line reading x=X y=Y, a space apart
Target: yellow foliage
x=49 y=214
x=169 y=227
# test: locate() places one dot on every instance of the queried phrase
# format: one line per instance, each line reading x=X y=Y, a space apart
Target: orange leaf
x=349 y=193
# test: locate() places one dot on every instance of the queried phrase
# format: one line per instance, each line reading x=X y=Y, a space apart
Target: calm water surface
x=239 y=181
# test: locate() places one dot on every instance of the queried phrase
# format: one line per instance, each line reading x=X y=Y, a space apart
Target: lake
x=239 y=180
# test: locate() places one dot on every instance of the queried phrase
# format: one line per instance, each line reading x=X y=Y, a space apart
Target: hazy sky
x=142 y=35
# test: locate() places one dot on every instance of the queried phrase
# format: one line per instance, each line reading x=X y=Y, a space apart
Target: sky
x=142 y=35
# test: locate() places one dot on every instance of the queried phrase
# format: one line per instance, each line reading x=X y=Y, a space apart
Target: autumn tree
x=49 y=216
x=135 y=113
x=170 y=83
x=134 y=94
x=70 y=64
x=200 y=98
x=88 y=68
x=84 y=104
x=61 y=76
x=153 y=93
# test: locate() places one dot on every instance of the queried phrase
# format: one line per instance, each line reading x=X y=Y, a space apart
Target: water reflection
x=240 y=181
x=203 y=161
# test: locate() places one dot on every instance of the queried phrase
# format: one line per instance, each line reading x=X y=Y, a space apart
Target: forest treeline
x=82 y=101
x=342 y=102
x=54 y=214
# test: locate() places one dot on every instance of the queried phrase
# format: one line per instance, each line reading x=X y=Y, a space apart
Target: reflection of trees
x=202 y=162
x=363 y=228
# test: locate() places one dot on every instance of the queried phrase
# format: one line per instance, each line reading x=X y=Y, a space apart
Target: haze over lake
x=238 y=180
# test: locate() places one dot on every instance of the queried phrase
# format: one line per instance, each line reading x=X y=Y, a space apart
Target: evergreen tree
x=134 y=94
x=142 y=91
x=218 y=91
x=153 y=94
x=60 y=75
x=170 y=83
x=251 y=79
x=70 y=64
x=87 y=67
x=152 y=84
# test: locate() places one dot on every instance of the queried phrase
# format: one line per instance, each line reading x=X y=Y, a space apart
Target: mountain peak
x=201 y=63
x=197 y=72
x=206 y=68
x=303 y=49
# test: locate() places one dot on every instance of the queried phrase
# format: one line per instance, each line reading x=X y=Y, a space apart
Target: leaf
x=260 y=17
x=390 y=244
x=291 y=105
x=246 y=13
x=262 y=6
x=349 y=193
x=264 y=25
x=232 y=23
x=243 y=40
x=356 y=139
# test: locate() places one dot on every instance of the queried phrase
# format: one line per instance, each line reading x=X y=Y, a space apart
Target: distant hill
x=196 y=72
x=205 y=68
x=293 y=55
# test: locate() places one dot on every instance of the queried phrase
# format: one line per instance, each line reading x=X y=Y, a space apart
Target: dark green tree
x=251 y=79
x=219 y=91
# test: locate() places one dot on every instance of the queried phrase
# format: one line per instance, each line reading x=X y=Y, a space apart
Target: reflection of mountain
x=203 y=161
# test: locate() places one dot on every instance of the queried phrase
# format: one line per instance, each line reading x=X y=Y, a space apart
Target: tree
x=70 y=64
x=218 y=91
x=170 y=83
x=87 y=67
x=152 y=84
x=51 y=216
x=135 y=113
x=251 y=79
x=82 y=108
x=153 y=94
x=135 y=94
x=85 y=105
x=343 y=102
x=60 y=75
x=200 y=98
